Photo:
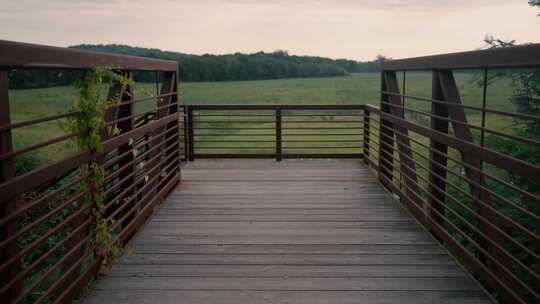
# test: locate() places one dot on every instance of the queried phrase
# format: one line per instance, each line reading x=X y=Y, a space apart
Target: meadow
x=356 y=89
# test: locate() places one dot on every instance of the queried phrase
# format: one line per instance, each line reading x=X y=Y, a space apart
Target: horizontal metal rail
x=26 y=55
x=525 y=56
x=318 y=133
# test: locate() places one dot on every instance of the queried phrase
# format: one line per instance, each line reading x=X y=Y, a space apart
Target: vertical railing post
x=191 y=141
x=366 y=135
x=186 y=144
x=117 y=112
x=394 y=107
x=172 y=155
x=7 y=201
x=437 y=155
x=386 y=138
x=278 y=135
x=478 y=184
x=126 y=109
x=484 y=102
x=168 y=106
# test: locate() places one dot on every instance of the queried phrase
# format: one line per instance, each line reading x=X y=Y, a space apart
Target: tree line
x=199 y=68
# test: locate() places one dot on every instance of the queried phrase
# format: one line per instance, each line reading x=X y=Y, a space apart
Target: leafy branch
x=92 y=104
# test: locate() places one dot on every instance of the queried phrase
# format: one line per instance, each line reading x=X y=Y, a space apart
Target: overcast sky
x=355 y=29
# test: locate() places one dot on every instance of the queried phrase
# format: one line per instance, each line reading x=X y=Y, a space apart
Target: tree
x=492 y=42
x=535 y=3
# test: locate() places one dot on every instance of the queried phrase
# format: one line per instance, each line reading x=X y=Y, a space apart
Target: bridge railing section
x=48 y=251
x=274 y=131
x=465 y=162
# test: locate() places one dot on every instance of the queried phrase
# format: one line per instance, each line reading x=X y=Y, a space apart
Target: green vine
x=92 y=103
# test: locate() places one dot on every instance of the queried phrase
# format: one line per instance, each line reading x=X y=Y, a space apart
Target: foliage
x=535 y=3
x=525 y=95
x=195 y=68
x=93 y=104
x=27 y=162
x=52 y=245
x=527 y=99
x=493 y=74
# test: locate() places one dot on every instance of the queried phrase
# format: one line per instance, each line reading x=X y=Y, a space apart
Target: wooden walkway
x=244 y=231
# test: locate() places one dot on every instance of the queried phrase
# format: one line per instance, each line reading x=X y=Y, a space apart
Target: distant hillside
x=198 y=68
x=278 y=64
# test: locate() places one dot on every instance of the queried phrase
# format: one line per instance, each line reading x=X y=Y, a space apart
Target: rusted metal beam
x=386 y=138
x=274 y=156
x=26 y=55
x=450 y=93
x=172 y=127
x=407 y=166
x=525 y=56
x=437 y=173
x=278 y=135
x=8 y=198
x=124 y=110
x=367 y=124
x=276 y=107
x=190 y=134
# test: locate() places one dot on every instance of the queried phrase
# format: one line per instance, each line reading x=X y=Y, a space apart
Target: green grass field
x=357 y=88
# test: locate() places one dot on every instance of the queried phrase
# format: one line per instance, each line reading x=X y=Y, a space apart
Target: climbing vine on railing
x=92 y=103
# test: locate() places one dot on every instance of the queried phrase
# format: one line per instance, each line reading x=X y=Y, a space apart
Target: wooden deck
x=244 y=231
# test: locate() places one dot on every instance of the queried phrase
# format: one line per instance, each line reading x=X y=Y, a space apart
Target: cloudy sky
x=356 y=29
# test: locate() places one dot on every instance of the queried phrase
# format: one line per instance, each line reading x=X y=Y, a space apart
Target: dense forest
x=198 y=68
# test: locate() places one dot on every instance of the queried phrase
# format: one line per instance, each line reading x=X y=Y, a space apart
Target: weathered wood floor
x=305 y=232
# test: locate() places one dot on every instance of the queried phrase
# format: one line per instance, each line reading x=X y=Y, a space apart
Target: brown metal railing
x=274 y=131
x=47 y=253
x=474 y=187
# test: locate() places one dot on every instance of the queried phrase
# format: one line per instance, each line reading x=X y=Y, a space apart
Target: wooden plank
x=277 y=239
x=337 y=284
x=242 y=202
x=384 y=233
x=296 y=271
x=285 y=297
x=390 y=225
x=356 y=212
x=253 y=164
x=279 y=259
x=346 y=216
x=296 y=241
x=418 y=249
